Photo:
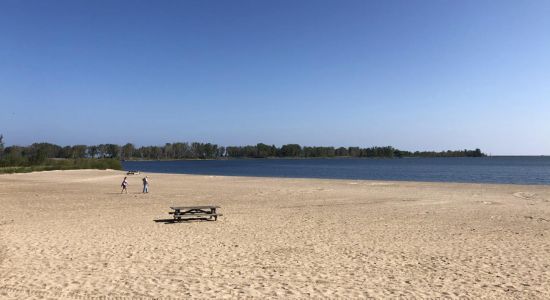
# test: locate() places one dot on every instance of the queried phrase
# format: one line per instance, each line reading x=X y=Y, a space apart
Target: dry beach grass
x=72 y=235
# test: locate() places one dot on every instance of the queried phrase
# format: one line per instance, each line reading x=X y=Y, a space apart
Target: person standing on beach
x=145 y=184
x=124 y=185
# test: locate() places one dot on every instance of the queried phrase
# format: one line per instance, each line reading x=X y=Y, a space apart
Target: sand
x=72 y=235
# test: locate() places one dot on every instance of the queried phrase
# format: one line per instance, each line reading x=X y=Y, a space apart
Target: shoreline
x=308 y=158
x=333 y=157
x=123 y=173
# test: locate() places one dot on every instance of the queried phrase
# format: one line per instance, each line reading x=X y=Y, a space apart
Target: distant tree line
x=44 y=156
x=37 y=153
x=295 y=150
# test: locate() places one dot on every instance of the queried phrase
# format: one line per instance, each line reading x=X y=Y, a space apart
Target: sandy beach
x=72 y=235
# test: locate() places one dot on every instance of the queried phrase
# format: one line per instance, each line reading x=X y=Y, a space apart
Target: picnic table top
x=193 y=207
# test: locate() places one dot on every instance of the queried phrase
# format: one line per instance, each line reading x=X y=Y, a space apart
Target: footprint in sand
x=525 y=195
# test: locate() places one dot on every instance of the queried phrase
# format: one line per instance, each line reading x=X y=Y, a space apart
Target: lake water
x=514 y=170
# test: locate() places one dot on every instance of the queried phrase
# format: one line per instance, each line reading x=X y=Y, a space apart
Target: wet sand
x=72 y=235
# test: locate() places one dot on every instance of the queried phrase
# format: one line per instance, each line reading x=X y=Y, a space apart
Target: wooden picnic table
x=195 y=212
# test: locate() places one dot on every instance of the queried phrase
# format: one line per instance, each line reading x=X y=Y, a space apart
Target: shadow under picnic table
x=187 y=220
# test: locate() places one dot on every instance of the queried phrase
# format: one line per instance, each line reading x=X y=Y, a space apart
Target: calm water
x=516 y=170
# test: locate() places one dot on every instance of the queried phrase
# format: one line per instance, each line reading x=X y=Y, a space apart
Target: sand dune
x=72 y=235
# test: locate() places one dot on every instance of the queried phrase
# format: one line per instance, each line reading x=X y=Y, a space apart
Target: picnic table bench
x=195 y=212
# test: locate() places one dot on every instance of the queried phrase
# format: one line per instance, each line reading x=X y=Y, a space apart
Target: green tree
x=168 y=151
x=156 y=152
x=341 y=152
x=127 y=151
x=477 y=153
x=112 y=150
x=38 y=156
x=65 y=152
x=92 y=151
x=13 y=156
x=1 y=145
x=263 y=150
x=102 y=150
x=221 y=152
x=234 y=151
x=291 y=150
x=78 y=151
x=354 y=151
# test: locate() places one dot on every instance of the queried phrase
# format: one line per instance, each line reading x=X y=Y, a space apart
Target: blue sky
x=417 y=75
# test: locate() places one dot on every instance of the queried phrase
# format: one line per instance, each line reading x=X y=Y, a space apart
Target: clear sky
x=417 y=75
